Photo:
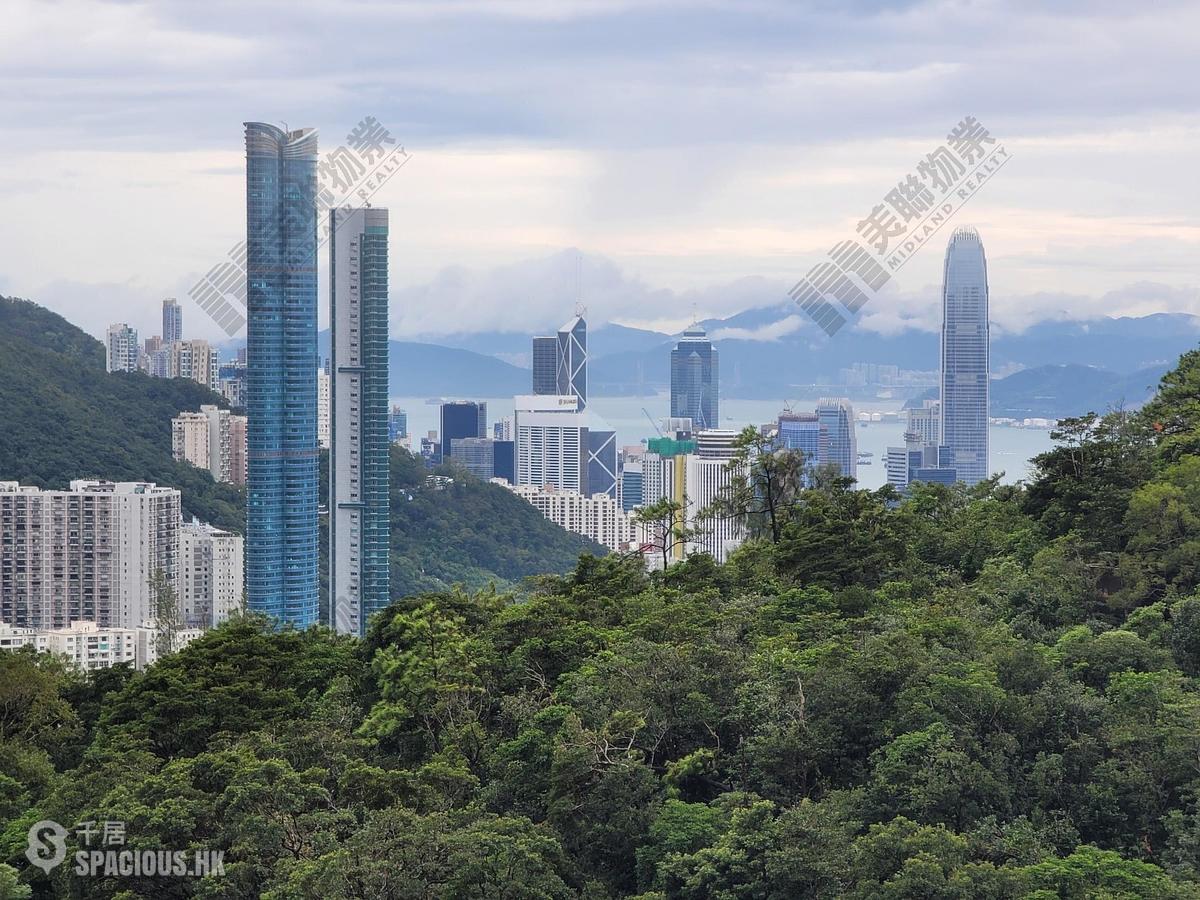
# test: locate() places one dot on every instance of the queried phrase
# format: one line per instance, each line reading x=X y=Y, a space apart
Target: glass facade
x=695 y=380
x=965 y=361
x=281 y=395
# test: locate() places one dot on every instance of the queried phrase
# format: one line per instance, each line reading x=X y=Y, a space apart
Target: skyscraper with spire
x=965 y=356
x=695 y=379
x=281 y=402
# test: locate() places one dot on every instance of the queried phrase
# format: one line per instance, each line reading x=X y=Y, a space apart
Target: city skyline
x=667 y=211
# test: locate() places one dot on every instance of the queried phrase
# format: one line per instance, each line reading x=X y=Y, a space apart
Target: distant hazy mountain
x=420 y=370
x=1068 y=390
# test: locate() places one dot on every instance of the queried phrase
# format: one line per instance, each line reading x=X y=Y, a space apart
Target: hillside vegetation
x=990 y=693
x=66 y=418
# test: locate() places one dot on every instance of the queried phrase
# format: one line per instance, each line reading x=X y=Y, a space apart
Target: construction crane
x=650 y=419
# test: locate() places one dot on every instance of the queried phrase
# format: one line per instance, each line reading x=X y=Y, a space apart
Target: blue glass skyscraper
x=695 y=379
x=281 y=402
x=965 y=360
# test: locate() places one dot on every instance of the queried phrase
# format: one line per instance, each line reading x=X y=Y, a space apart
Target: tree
x=663 y=523
x=168 y=616
x=764 y=481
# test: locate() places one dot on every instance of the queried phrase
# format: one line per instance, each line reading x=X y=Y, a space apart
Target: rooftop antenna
x=580 y=309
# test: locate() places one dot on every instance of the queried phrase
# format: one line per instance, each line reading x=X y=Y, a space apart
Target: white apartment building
x=212 y=439
x=324 y=389
x=121 y=348
x=598 y=517
x=211 y=565
x=87 y=553
x=87 y=646
x=707 y=475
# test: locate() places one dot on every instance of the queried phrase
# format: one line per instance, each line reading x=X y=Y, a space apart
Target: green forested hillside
x=974 y=693
x=66 y=418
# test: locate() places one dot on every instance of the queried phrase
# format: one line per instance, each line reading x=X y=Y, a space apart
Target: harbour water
x=1011 y=449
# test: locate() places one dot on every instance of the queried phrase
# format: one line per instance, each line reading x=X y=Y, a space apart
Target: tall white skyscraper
x=358 y=416
x=121 y=348
x=965 y=356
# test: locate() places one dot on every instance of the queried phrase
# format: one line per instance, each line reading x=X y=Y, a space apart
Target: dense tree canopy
x=986 y=692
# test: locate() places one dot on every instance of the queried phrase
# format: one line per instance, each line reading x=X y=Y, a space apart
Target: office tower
x=804 y=432
x=631 y=484
x=965 y=360
x=281 y=307
x=504 y=460
x=923 y=422
x=324 y=407
x=602 y=468
x=359 y=522
x=598 y=517
x=571 y=361
x=476 y=455
x=88 y=553
x=461 y=419
x=545 y=365
x=121 y=348
x=836 y=416
x=551 y=437
x=695 y=379
x=172 y=321
x=707 y=475
x=210 y=574
x=502 y=430
x=918 y=461
x=397 y=424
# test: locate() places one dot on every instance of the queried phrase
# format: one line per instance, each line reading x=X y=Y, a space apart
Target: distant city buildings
x=88 y=646
x=121 y=348
x=476 y=455
x=88 y=553
x=965 y=356
x=172 y=321
x=695 y=379
x=211 y=570
x=599 y=516
x=359 y=518
x=545 y=365
x=397 y=425
x=212 y=439
x=461 y=419
x=707 y=476
x=324 y=407
x=281 y=403
x=836 y=416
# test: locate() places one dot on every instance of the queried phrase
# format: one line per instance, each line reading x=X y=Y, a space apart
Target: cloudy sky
x=656 y=157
